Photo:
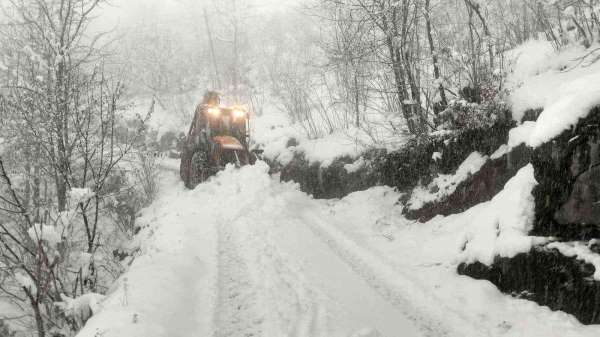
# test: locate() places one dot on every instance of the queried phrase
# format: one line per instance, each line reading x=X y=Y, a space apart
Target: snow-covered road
x=247 y=255
x=239 y=256
x=288 y=281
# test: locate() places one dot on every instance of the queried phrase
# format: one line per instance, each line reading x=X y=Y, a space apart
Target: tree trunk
x=476 y=8
x=61 y=192
x=474 y=58
x=37 y=314
x=356 y=100
x=60 y=119
x=399 y=82
x=436 y=67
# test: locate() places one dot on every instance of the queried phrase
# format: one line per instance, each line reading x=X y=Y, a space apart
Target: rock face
x=567 y=202
x=405 y=168
x=583 y=205
x=402 y=169
x=546 y=277
x=480 y=187
x=567 y=207
x=567 y=199
x=333 y=181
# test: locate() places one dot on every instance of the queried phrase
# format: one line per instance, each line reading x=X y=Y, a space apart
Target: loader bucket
x=229 y=143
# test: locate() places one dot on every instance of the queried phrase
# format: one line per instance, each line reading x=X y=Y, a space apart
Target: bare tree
x=61 y=115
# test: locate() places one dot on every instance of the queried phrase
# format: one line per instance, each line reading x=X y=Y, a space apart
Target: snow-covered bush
x=145 y=175
x=461 y=115
x=79 y=310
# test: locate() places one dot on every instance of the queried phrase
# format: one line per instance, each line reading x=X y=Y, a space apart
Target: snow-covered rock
x=357 y=165
x=500 y=227
x=563 y=84
x=446 y=184
x=80 y=309
x=579 y=250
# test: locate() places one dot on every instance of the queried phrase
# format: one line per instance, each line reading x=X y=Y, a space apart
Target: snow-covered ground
x=235 y=257
x=273 y=131
x=247 y=255
x=169 y=288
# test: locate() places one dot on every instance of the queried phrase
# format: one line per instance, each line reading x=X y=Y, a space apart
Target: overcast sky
x=127 y=13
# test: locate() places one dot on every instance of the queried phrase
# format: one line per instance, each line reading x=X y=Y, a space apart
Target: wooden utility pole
x=235 y=54
x=217 y=79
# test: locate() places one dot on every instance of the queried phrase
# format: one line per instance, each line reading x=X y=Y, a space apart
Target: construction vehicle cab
x=217 y=137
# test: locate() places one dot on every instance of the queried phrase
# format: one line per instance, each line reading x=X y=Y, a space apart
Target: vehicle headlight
x=238 y=114
x=215 y=112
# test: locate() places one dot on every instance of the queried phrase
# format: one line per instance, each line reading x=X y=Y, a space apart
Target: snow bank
x=168 y=289
x=520 y=134
x=338 y=144
x=500 y=227
x=560 y=83
x=416 y=263
x=530 y=59
x=81 y=308
x=445 y=184
x=579 y=250
x=281 y=141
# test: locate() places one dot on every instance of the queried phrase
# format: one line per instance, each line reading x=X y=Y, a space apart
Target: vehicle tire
x=185 y=167
x=199 y=168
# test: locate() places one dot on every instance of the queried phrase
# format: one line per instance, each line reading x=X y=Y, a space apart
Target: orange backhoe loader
x=218 y=136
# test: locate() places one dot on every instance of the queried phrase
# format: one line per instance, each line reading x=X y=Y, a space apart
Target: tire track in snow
x=299 y=312
x=261 y=291
x=236 y=312
x=296 y=284
x=386 y=281
x=235 y=309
